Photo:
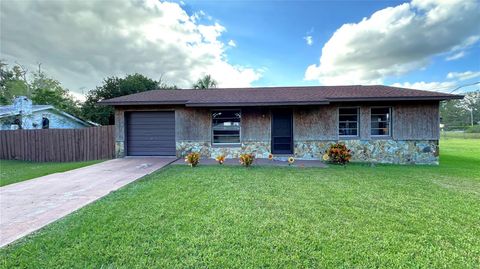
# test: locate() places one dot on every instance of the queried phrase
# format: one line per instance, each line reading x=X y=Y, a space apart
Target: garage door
x=151 y=133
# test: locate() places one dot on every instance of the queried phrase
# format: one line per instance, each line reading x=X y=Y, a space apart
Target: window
x=45 y=123
x=348 y=122
x=380 y=121
x=226 y=127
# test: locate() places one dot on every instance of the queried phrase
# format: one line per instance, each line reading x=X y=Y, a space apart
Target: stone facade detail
x=207 y=150
x=371 y=151
x=119 y=149
x=376 y=151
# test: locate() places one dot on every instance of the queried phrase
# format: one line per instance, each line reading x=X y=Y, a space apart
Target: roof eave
x=237 y=104
x=138 y=103
x=400 y=98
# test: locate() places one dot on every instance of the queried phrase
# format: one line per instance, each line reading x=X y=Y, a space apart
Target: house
x=378 y=123
x=23 y=115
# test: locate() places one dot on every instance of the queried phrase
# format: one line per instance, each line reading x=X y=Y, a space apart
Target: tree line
x=42 y=89
x=461 y=114
x=17 y=80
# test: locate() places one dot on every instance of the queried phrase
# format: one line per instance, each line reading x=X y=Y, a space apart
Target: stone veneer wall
x=259 y=149
x=375 y=151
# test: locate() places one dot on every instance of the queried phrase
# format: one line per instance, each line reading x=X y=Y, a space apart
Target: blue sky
x=271 y=34
x=422 y=44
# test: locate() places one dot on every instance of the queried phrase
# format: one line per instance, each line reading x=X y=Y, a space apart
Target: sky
x=427 y=44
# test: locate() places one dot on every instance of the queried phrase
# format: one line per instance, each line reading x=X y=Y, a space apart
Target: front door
x=282 y=132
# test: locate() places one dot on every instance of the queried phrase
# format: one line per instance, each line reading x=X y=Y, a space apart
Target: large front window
x=380 y=121
x=226 y=127
x=348 y=122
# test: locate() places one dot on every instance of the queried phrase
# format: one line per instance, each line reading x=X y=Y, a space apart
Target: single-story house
x=378 y=123
x=22 y=114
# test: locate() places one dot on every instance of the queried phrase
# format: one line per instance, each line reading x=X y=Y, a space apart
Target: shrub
x=220 y=159
x=246 y=159
x=338 y=153
x=193 y=158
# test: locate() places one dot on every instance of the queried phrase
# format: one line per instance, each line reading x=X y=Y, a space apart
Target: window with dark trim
x=45 y=123
x=381 y=118
x=348 y=121
x=226 y=127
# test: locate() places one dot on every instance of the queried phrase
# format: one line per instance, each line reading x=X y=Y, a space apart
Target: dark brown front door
x=282 y=132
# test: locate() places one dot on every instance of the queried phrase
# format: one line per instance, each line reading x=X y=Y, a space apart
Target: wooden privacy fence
x=58 y=145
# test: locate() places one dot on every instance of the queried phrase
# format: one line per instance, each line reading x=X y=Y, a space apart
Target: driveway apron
x=29 y=205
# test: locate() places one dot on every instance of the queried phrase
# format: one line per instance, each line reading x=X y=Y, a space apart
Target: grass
x=462 y=135
x=386 y=216
x=16 y=171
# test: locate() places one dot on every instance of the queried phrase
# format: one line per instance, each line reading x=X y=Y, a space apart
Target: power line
x=465 y=85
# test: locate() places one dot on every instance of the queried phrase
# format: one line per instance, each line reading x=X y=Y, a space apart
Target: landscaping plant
x=193 y=158
x=338 y=154
x=220 y=159
x=246 y=159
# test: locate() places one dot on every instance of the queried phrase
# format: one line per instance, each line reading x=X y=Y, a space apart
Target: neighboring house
x=23 y=115
x=378 y=123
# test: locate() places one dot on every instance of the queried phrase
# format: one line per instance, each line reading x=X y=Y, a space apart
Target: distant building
x=23 y=115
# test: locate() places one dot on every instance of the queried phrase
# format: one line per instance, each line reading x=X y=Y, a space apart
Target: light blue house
x=23 y=115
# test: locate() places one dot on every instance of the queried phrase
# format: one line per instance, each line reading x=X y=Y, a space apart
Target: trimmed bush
x=338 y=154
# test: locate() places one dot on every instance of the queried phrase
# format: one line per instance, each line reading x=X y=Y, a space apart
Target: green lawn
x=222 y=217
x=462 y=135
x=16 y=171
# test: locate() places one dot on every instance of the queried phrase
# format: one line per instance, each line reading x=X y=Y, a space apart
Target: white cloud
x=455 y=79
x=309 y=40
x=467 y=43
x=459 y=51
x=82 y=42
x=79 y=96
x=456 y=56
x=463 y=75
x=396 y=40
x=232 y=43
x=428 y=86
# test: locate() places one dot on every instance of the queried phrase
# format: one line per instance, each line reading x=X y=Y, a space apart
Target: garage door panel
x=146 y=122
x=150 y=143
x=150 y=114
x=153 y=126
x=151 y=138
x=151 y=133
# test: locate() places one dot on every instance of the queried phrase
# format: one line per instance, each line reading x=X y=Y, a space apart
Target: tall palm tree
x=206 y=82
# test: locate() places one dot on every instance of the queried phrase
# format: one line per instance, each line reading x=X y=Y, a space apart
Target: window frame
x=358 y=122
x=390 y=122
x=212 y=128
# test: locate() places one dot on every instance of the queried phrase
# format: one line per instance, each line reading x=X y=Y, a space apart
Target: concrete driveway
x=28 y=206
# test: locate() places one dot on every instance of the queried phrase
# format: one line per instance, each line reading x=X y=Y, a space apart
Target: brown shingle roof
x=277 y=96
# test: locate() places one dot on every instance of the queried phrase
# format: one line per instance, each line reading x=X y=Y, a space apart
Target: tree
x=42 y=89
x=470 y=103
x=48 y=91
x=207 y=82
x=461 y=113
x=13 y=83
x=115 y=87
